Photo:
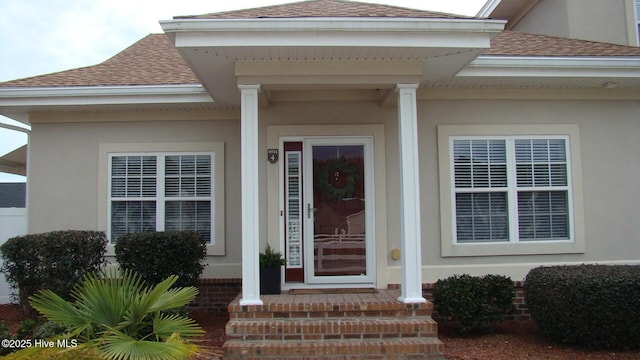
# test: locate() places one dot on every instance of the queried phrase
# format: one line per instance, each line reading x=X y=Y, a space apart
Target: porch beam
x=411 y=288
x=250 y=215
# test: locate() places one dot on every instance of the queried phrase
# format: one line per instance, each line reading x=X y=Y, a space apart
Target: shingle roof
x=514 y=43
x=153 y=60
x=325 y=8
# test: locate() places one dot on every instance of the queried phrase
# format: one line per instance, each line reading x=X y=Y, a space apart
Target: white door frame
x=370 y=237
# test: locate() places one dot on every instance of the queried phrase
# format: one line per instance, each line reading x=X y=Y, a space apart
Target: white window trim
x=217 y=245
x=449 y=246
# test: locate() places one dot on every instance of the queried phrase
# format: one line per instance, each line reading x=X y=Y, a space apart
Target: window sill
x=507 y=249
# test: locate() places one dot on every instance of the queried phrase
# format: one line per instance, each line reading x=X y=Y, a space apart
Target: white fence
x=13 y=222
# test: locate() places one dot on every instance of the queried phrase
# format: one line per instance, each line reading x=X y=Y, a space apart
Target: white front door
x=329 y=226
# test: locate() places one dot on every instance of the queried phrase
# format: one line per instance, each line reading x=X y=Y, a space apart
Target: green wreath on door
x=337 y=179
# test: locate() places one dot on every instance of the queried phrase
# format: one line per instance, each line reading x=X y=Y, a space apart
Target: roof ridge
x=325 y=8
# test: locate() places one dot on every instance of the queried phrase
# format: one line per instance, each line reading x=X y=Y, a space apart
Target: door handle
x=310 y=210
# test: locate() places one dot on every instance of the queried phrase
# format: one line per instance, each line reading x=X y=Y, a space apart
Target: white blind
x=543 y=215
x=541 y=163
x=482 y=217
x=187 y=175
x=131 y=217
x=188 y=178
x=293 y=203
x=480 y=163
x=141 y=187
x=189 y=215
x=528 y=176
x=133 y=176
x=542 y=180
x=480 y=172
x=133 y=189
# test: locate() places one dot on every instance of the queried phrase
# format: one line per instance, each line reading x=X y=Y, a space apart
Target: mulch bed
x=509 y=340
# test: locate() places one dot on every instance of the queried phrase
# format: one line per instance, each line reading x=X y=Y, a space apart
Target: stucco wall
x=548 y=17
x=63 y=173
x=64 y=195
x=609 y=134
x=593 y=20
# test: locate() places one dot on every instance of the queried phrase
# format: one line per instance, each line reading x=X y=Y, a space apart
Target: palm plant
x=121 y=317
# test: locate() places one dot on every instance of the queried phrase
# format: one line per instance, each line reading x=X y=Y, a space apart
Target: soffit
x=212 y=47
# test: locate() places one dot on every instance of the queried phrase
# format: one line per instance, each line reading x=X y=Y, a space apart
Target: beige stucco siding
x=64 y=193
x=63 y=173
x=609 y=133
x=611 y=21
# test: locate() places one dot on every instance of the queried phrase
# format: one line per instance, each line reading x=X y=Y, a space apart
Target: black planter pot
x=270 y=280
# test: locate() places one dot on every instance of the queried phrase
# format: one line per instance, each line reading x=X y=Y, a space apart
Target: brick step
x=412 y=348
x=328 y=310
x=330 y=329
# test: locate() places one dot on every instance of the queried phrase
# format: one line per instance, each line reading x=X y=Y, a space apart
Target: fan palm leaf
x=122 y=317
x=165 y=326
x=119 y=346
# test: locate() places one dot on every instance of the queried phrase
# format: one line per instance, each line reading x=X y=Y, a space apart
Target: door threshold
x=303 y=286
x=332 y=291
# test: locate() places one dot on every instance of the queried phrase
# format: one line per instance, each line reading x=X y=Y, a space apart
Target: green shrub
x=474 y=301
x=26 y=328
x=48 y=330
x=594 y=306
x=55 y=260
x=157 y=255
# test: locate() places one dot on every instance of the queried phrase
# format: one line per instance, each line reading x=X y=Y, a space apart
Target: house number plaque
x=272 y=155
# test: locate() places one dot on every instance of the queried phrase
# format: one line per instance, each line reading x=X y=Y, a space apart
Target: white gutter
x=345 y=24
x=513 y=66
x=103 y=95
x=332 y=32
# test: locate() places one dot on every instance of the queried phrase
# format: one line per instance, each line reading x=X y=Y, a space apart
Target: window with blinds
x=158 y=192
x=510 y=189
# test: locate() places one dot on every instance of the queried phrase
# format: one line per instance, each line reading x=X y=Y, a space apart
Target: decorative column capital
x=249 y=87
x=407 y=86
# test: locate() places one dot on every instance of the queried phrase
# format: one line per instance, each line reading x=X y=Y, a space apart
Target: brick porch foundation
x=332 y=326
x=216 y=294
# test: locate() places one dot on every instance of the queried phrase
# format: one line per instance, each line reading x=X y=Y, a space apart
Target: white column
x=411 y=287
x=250 y=216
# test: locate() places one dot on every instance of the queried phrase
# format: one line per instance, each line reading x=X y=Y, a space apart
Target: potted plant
x=270 y=271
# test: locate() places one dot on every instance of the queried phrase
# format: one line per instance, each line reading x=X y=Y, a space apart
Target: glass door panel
x=338 y=226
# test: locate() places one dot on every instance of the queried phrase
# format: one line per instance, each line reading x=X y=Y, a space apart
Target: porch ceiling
x=436 y=49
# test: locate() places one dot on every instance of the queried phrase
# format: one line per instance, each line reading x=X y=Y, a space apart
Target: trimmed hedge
x=594 y=306
x=54 y=260
x=474 y=301
x=157 y=255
